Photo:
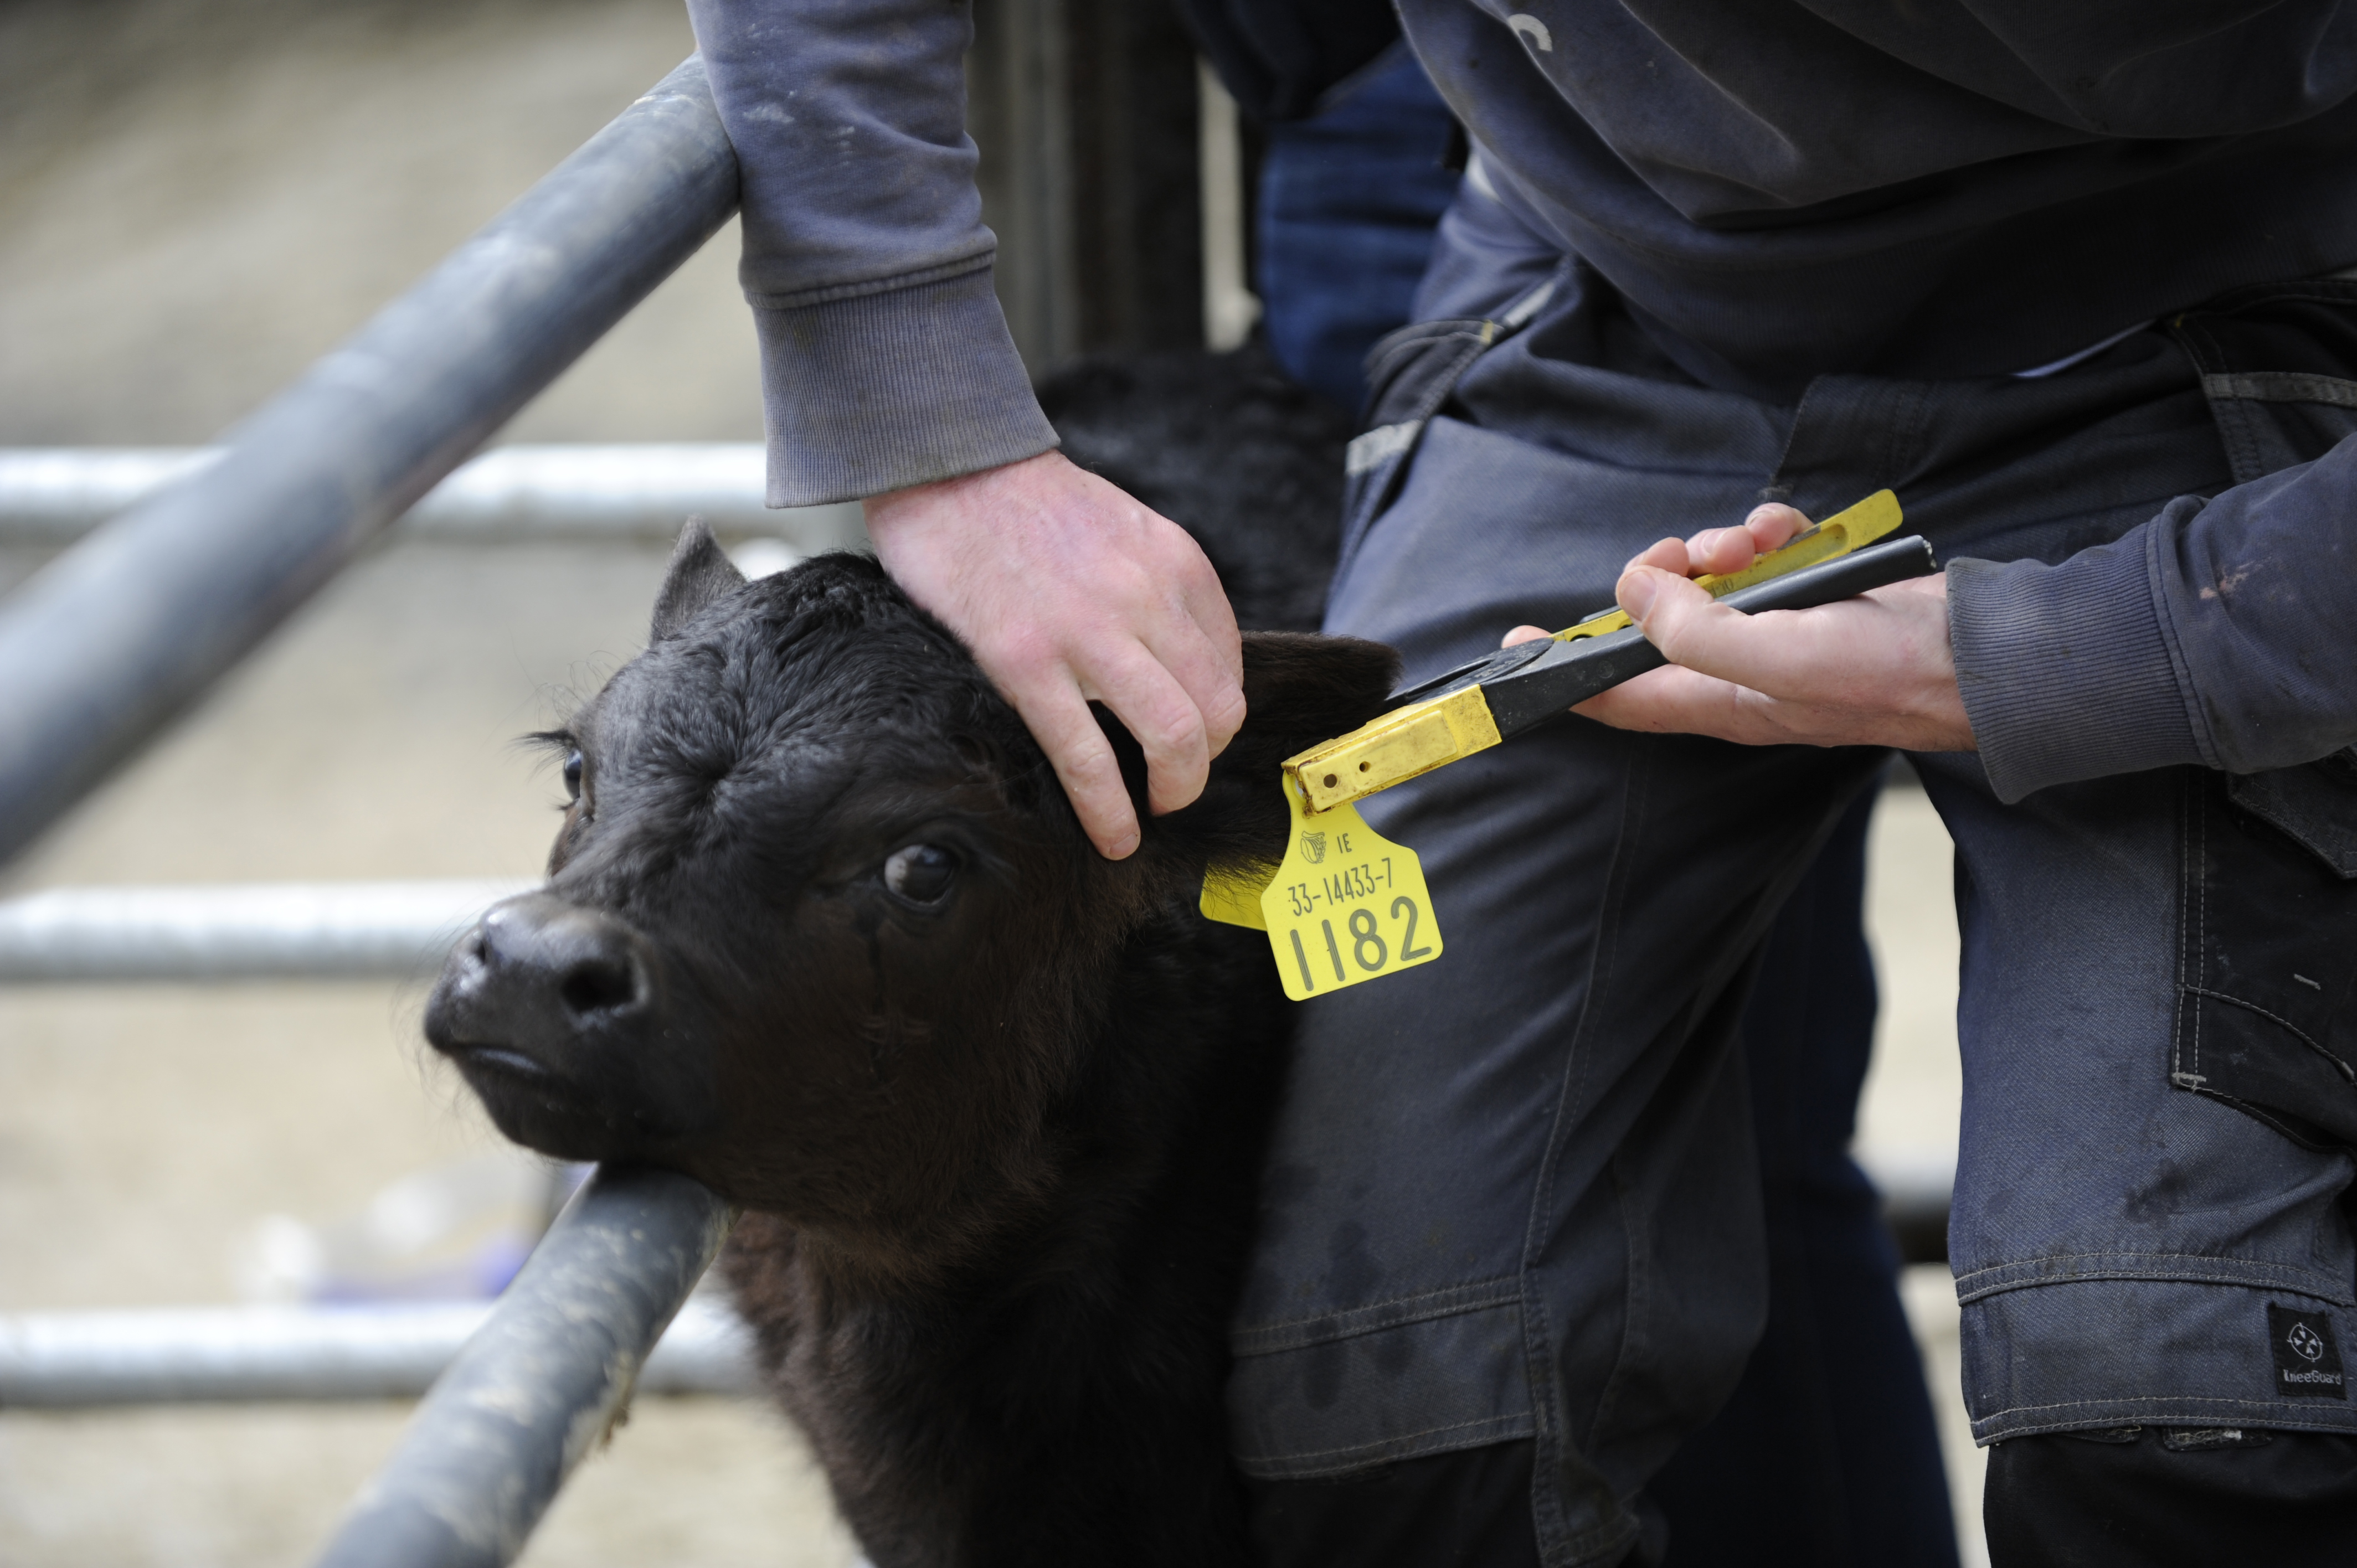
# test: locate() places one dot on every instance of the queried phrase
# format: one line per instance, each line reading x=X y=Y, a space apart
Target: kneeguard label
x=2308 y=1361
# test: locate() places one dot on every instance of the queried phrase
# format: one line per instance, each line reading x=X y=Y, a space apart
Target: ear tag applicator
x=1349 y=905
x=1345 y=905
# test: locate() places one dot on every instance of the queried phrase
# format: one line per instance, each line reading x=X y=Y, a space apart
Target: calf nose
x=537 y=972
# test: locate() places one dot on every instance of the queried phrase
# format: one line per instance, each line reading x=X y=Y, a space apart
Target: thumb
x=1675 y=616
x=1640 y=588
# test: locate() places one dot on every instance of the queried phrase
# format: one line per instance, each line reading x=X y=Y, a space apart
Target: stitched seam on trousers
x=1402 y=1437
x=2083 y=1257
x=2184 y=928
x=2281 y=386
x=1908 y=416
x=2303 y=1036
x=2206 y=1401
x=1441 y=1440
x=2234 y=424
x=2276 y=1417
x=1548 y=1514
x=2200 y=872
x=1777 y=477
x=2032 y=1273
x=2304 y=1136
x=1429 y=1307
x=1636 y=1272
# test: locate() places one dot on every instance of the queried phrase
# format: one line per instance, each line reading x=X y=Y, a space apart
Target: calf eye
x=921 y=872
x=572 y=775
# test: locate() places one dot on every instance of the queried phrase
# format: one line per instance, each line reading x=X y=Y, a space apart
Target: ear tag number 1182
x=1345 y=905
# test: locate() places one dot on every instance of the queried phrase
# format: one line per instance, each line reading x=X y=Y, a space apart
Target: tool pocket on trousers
x=2266 y=1003
x=1412 y=372
x=2278 y=364
x=1411 y=375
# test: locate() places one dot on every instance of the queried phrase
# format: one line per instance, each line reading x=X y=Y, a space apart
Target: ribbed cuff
x=2065 y=670
x=894 y=388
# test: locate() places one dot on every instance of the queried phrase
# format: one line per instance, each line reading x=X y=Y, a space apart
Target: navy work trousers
x=1514 y=1196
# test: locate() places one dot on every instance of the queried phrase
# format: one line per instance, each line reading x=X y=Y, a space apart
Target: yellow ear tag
x=1346 y=905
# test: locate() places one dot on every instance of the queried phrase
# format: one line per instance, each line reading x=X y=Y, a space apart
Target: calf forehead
x=784 y=710
x=827 y=658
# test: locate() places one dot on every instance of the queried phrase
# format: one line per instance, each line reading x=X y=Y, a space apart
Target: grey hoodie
x=1778 y=188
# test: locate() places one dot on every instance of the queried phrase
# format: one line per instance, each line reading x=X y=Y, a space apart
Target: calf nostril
x=599 y=984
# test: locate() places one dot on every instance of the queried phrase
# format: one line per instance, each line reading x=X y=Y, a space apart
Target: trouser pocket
x=2266 y=1005
x=1411 y=375
x=2267 y=953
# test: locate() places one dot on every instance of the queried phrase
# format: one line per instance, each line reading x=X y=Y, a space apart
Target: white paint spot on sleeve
x=1533 y=31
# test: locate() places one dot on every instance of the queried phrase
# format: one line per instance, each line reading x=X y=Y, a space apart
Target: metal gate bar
x=112 y=641
x=51 y=496
x=543 y=1381
x=262 y=930
x=79 y=1361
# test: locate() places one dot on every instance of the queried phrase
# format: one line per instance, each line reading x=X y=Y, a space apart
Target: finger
x=1779 y=653
x=1204 y=654
x=1720 y=550
x=1669 y=555
x=1774 y=525
x=1686 y=701
x=1058 y=717
x=1196 y=637
x=1523 y=634
x=1160 y=716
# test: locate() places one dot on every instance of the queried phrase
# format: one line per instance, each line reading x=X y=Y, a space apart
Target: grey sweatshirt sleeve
x=884 y=360
x=2222 y=633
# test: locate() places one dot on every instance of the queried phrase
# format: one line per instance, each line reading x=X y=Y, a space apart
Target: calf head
x=821 y=927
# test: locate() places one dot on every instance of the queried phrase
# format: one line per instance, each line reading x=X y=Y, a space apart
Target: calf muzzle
x=554 y=1013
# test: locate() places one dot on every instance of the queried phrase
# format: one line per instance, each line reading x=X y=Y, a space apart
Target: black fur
x=999 y=1148
x=1227 y=448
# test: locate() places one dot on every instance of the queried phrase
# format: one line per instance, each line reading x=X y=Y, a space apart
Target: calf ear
x=1298 y=689
x=700 y=571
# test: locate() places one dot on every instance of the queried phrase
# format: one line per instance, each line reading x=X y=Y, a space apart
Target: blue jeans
x=1514 y=1195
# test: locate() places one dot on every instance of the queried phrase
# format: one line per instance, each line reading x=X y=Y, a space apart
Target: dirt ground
x=195 y=197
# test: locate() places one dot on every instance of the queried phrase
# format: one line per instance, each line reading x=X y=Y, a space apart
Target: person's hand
x=1870 y=670
x=1068 y=591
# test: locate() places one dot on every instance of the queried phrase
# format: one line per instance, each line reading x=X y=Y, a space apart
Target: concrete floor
x=195 y=197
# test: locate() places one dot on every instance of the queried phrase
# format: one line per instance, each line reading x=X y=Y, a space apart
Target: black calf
x=822 y=931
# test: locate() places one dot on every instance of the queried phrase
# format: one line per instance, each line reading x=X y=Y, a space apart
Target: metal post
x=116 y=636
x=542 y=1382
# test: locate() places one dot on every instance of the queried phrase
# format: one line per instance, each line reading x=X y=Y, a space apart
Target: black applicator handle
x=1570 y=673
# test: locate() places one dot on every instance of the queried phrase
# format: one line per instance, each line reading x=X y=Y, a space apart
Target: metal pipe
x=540 y=1382
x=51 y=496
x=79 y=1361
x=109 y=642
x=290 y=931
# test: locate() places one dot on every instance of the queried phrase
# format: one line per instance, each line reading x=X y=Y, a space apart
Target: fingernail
x=1122 y=847
x=1636 y=594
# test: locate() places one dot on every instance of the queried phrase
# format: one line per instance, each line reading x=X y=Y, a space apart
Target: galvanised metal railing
x=107 y=644
x=630 y=492
x=110 y=642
